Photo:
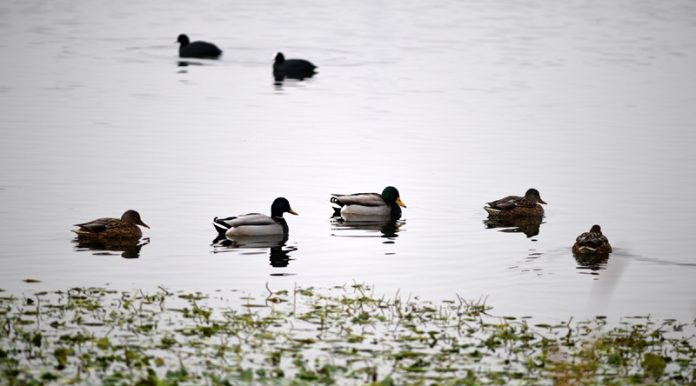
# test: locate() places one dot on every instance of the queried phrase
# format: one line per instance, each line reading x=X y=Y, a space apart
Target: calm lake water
x=456 y=103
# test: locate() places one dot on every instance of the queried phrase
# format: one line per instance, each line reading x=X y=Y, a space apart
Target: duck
x=198 y=49
x=256 y=224
x=292 y=68
x=592 y=243
x=516 y=206
x=108 y=228
x=366 y=205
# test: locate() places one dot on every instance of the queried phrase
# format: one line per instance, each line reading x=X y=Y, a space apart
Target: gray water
x=456 y=103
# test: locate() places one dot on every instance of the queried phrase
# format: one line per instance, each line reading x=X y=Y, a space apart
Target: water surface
x=455 y=103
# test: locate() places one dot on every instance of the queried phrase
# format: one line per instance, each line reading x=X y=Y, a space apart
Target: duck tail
x=491 y=211
x=220 y=226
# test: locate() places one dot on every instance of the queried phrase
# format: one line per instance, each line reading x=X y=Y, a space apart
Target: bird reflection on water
x=527 y=225
x=130 y=248
x=279 y=253
x=594 y=263
x=389 y=227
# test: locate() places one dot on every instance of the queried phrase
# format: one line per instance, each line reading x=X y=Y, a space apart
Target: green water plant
x=307 y=336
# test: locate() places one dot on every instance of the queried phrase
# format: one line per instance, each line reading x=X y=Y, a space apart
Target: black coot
x=292 y=68
x=200 y=50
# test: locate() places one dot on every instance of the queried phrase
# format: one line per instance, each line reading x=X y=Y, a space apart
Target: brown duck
x=112 y=228
x=516 y=206
x=592 y=243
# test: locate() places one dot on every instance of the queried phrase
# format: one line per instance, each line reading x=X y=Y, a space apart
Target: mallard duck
x=516 y=206
x=200 y=50
x=292 y=68
x=592 y=243
x=256 y=224
x=365 y=205
x=112 y=228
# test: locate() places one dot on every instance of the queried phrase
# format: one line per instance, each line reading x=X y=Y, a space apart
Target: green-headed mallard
x=256 y=224
x=292 y=68
x=516 y=206
x=592 y=243
x=365 y=205
x=200 y=50
x=112 y=228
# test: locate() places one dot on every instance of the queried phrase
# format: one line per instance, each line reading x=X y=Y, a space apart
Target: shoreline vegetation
x=306 y=336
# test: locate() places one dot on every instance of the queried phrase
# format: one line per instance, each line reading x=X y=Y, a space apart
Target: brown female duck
x=112 y=228
x=592 y=243
x=516 y=206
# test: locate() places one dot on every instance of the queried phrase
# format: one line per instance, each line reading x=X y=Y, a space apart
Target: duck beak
x=293 y=212
x=145 y=225
x=542 y=201
x=400 y=203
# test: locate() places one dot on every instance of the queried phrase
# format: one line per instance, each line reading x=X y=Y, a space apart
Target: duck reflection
x=527 y=225
x=593 y=263
x=279 y=253
x=388 y=226
x=130 y=248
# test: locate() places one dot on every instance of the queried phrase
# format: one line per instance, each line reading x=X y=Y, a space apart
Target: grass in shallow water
x=342 y=335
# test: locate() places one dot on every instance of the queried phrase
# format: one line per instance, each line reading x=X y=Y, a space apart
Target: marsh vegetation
x=339 y=335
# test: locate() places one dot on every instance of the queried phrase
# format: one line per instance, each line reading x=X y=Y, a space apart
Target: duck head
x=391 y=194
x=533 y=196
x=183 y=40
x=281 y=205
x=279 y=58
x=596 y=229
x=132 y=217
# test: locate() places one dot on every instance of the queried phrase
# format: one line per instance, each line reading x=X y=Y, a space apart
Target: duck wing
x=364 y=199
x=98 y=225
x=223 y=224
x=504 y=203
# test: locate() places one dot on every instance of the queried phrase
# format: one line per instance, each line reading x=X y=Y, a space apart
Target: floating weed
x=307 y=336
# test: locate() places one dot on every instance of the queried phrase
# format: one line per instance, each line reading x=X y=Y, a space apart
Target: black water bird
x=292 y=68
x=198 y=49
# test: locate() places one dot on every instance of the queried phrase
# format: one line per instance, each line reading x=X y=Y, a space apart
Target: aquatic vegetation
x=340 y=335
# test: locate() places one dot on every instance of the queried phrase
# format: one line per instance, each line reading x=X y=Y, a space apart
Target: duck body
x=198 y=49
x=252 y=224
x=108 y=228
x=592 y=243
x=292 y=68
x=256 y=224
x=517 y=206
x=369 y=205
